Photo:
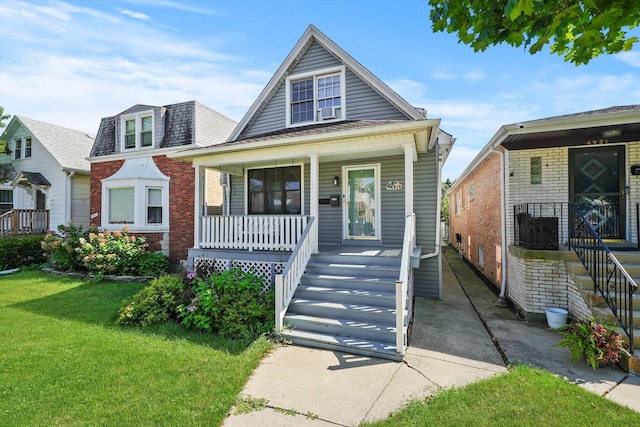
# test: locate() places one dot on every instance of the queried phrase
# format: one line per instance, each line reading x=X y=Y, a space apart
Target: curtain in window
x=154 y=206
x=121 y=205
x=275 y=191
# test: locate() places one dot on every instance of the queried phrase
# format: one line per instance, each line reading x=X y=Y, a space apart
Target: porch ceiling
x=573 y=137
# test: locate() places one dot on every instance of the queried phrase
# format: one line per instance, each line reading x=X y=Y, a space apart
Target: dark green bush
x=152 y=264
x=154 y=304
x=21 y=251
x=231 y=303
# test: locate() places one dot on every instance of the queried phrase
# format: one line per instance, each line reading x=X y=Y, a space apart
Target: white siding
x=80 y=196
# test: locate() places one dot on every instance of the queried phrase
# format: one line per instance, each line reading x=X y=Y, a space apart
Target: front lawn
x=63 y=362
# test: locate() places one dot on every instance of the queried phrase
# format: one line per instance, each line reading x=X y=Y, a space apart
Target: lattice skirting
x=205 y=267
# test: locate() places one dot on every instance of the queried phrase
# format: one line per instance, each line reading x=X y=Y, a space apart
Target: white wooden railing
x=402 y=284
x=24 y=221
x=252 y=232
x=287 y=282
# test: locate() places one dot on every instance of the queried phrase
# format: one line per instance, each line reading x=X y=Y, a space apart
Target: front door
x=597 y=185
x=362 y=202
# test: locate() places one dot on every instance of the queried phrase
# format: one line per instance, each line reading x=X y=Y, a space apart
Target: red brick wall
x=479 y=221
x=181 y=203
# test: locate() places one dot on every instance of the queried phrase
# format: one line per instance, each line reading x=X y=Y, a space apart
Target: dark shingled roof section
x=105 y=142
x=317 y=129
x=178 y=125
x=615 y=109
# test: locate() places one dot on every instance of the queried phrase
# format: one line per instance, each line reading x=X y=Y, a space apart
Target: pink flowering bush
x=62 y=249
x=598 y=344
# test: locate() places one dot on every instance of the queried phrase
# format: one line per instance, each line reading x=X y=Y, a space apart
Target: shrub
x=232 y=303
x=598 y=344
x=112 y=253
x=63 y=249
x=21 y=251
x=152 y=264
x=154 y=303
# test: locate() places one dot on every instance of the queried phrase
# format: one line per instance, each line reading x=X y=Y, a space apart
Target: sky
x=70 y=63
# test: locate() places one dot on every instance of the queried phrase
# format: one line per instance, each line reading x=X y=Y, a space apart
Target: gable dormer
x=320 y=84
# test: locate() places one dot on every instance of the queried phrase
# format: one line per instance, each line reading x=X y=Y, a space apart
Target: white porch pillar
x=313 y=188
x=197 y=202
x=410 y=155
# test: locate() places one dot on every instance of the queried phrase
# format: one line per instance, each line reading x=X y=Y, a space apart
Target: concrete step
x=598 y=300
x=346 y=344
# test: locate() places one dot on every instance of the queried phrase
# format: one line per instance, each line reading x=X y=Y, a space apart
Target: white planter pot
x=556 y=317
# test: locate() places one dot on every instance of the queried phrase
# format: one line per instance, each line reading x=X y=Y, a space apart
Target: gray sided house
x=549 y=212
x=333 y=194
x=135 y=184
x=46 y=178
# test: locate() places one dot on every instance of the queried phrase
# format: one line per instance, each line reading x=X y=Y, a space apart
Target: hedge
x=20 y=251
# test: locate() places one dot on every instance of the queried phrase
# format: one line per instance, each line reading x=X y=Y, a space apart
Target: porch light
x=336 y=181
x=611 y=133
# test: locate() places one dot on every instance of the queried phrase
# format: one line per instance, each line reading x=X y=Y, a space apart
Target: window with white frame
x=457 y=207
x=275 y=191
x=17 y=148
x=137 y=131
x=140 y=202
x=27 y=148
x=316 y=97
x=471 y=191
x=6 y=200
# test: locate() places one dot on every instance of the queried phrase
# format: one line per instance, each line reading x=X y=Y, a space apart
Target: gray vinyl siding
x=362 y=101
x=330 y=221
x=425 y=174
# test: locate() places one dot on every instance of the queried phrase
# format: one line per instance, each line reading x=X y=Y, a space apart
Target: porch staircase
x=631 y=262
x=346 y=303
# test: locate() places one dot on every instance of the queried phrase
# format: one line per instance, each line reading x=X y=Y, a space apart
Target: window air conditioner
x=327 y=113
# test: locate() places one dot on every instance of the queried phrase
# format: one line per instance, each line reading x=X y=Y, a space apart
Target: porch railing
x=287 y=282
x=252 y=232
x=610 y=278
x=24 y=221
x=403 y=283
x=541 y=225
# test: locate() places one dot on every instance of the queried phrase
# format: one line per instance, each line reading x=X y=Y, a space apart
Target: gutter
x=437 y=245
x=503 y=231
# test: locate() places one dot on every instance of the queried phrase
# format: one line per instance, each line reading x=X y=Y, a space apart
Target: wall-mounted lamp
x=611 y=133
x=336 y=181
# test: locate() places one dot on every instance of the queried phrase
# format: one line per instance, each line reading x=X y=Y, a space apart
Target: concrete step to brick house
x=346 y=303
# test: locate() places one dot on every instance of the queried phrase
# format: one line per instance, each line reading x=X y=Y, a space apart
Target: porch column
x=313 y=205
x=410 y=156
x=197 y=202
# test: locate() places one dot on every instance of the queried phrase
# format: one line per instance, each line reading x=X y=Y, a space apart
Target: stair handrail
x=287 y=282
x=5 y=223
x=606 y=272
x=402 y=284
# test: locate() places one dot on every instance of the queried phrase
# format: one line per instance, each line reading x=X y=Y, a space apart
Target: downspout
x=436 y=249
x=503 y=230
x=67 y=216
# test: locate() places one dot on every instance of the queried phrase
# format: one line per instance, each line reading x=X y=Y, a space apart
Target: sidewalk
x=449 y=346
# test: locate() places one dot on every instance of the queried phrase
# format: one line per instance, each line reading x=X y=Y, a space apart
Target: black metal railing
x=610 y=279
x=638 y=224
x=541 y=225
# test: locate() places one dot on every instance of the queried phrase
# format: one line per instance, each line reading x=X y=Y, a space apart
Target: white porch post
x=410 y=156
x=313 y=188
x=197 y=202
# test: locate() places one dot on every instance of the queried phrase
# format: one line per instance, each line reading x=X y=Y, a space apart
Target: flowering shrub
x=62 y=249
x=231 y=303
x=112 y=253
x=593 y=341
x=154 y=303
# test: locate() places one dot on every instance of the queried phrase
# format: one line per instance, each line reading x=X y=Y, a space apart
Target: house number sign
x=597 y=141
x=394 y=185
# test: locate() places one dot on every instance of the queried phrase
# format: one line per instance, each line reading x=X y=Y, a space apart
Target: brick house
x=134 y=182
x=514 y=211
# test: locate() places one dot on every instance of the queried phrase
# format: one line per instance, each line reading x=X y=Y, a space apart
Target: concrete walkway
x=451 y=345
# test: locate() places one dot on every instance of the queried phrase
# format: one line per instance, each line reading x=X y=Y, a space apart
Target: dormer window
x=137 y=131
x=316 y=97
x=22 y=148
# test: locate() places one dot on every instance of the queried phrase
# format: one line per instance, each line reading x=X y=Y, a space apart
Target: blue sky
x=70 y=63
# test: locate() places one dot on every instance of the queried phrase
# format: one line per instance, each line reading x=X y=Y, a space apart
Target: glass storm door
x=597 y=188
x=361 y=203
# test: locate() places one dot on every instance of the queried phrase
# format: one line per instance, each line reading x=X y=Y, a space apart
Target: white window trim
x=457 y=203
x=138 y=118
x=269 y=166
x=147 y=206
x=315 y=74
x=140 y=186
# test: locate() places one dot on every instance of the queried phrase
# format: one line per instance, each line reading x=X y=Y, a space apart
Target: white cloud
x=135 y=15
x=631 y=58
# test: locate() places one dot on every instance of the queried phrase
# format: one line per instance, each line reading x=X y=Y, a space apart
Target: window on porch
x=6 y=200
x=275 y=191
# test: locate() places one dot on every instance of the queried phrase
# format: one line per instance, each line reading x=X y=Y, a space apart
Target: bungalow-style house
x=334 y=197
x=135 y=184
x=45 y=182
x=531 y=211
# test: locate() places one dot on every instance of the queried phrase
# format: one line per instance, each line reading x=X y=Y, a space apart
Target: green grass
x=524 y=396
x=62 y=362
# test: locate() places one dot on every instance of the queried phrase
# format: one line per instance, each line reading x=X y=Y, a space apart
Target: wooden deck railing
x=24 y=221
x=287 y=282
x=252 y=232
x=403 y=283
